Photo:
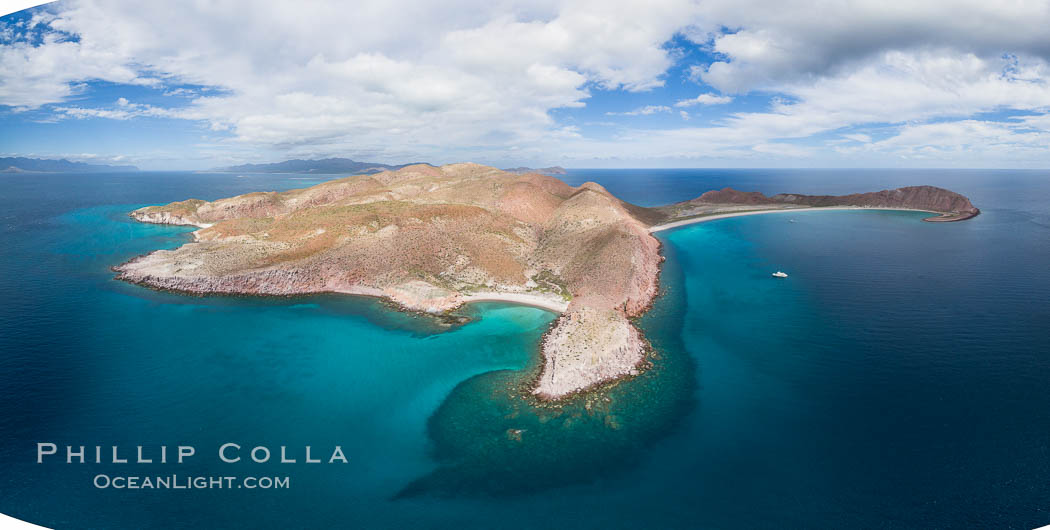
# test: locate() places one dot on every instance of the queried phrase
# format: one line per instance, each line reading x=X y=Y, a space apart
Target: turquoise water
x=895 y=379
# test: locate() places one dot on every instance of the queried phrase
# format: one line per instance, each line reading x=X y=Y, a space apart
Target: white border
x=9 y=523
x=13 y=6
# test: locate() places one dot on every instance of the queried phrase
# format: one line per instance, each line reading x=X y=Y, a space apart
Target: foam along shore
x=432 y=238
x=715 y=216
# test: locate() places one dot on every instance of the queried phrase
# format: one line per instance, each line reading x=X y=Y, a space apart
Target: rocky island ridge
x=433 y=238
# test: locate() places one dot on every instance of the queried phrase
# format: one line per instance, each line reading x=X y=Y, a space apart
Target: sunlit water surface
x=896 y=378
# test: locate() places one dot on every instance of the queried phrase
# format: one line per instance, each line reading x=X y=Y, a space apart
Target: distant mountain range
x=553 y=170
x=322 y=166
x=325 y=165
x=20 y=164
x=346 y=165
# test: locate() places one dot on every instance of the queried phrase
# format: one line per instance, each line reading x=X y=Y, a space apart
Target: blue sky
x=673 y=83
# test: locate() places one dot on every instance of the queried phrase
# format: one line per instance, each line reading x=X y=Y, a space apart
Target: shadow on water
x=491 y=440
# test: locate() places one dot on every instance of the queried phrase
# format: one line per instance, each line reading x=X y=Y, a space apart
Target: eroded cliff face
x=173 y=216
x=430 y=238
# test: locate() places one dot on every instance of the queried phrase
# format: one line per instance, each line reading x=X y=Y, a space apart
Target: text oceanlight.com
x=176 y=482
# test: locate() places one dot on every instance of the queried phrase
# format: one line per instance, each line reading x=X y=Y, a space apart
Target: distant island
x=432 y=238
x=326 y=166
x=553 y=170
x=44 y=165
x=330 y=166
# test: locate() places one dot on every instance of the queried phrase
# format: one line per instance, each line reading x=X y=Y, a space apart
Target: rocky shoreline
x=430 y=239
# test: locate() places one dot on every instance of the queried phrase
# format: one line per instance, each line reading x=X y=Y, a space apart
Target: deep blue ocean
x=900 y=377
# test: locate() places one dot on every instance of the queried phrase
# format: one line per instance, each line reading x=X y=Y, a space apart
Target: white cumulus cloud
x=642 y=111
x=416 y=79
x=704 y=99
x=395 y=77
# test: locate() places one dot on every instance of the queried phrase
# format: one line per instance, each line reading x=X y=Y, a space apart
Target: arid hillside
x=431 y=238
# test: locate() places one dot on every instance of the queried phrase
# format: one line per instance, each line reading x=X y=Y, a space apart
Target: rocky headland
x=946 y=205
x=433 y=238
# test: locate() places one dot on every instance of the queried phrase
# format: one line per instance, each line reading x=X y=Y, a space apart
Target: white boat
x=779 y=274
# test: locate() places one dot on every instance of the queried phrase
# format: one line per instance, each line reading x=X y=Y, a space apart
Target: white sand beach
x=705 y=218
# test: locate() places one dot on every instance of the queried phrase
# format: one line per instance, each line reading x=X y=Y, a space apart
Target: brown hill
x=431 y=238
x=949 y=206
x=929 y=198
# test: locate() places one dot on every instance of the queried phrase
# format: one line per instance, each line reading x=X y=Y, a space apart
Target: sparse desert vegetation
x=431 y=238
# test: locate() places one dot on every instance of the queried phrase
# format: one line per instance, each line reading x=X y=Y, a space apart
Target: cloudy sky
x=604 y=83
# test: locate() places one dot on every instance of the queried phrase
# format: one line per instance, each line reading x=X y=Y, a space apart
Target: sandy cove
x=554 y=305
x=550 y=304
x=715 y=217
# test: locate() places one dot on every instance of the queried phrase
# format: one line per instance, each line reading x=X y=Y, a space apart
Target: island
x=552 y=170
x=20 y=164
x=433 y=238
x=322 y=166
